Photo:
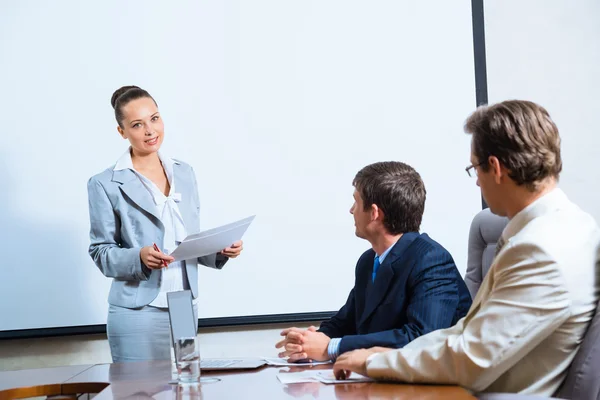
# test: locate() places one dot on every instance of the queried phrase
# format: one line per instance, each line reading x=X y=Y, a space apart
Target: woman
x=145 y=199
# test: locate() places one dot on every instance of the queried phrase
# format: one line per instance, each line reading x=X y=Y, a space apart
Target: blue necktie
x=375 y=267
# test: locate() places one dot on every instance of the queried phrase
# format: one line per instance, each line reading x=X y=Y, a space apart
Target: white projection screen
x=275 y=104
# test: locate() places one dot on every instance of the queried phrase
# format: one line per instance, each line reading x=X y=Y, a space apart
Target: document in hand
x=211 y=241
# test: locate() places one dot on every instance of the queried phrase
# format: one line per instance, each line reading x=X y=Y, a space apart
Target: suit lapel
x=377 y=291
x=133 y=188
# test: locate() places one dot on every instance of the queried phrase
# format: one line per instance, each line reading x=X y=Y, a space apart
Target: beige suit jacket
x=528 y=317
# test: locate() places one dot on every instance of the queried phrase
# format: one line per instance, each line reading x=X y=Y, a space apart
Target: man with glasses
x=473 y=168
x=540 y=294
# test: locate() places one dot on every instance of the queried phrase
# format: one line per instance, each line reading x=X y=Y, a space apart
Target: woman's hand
x=154 y=259
x=234 y=250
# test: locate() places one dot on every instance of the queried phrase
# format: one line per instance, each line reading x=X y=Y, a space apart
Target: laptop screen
x=181 y=315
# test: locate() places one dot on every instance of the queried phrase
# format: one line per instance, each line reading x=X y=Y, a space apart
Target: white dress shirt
x=166 y=207
x=527 y=319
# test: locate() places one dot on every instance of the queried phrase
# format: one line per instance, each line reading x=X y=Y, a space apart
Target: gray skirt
x=139 y=334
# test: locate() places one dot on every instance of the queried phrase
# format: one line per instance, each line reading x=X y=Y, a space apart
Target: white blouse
x=168 y=212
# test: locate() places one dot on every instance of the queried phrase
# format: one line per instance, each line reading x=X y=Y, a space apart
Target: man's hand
x=314 y=345
x=292 y=343
x=354 y=361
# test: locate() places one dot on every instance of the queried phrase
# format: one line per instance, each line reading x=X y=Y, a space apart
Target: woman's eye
x=155 y=118
x=137 y=125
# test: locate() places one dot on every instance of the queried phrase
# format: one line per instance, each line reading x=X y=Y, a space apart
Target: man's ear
x=121 y=132
x=497 y=169
x=376 y=213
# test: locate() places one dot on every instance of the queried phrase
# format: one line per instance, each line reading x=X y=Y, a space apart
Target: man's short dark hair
x=522 y=136
x=398 y=190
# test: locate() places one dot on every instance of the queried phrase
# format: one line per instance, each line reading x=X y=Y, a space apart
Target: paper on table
x=328 y=377
x=319 y=376
x=297 y=377
x=282 y=362
x=211 y=241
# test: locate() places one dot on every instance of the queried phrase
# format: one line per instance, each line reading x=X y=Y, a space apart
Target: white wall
x=548 y=51
x=275 y=104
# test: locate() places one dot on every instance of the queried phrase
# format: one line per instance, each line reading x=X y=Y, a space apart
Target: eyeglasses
x=474 y=168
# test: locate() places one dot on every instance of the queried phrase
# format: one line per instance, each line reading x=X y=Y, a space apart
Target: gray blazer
x=123 y=220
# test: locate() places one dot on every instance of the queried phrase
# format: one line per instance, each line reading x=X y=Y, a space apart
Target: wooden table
x=37 y=382
x=150 y=380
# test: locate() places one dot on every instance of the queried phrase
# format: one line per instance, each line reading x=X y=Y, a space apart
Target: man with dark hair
x=540 y=294
x=406 y=285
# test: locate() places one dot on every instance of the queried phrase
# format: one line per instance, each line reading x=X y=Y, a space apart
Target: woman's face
x=142 y=126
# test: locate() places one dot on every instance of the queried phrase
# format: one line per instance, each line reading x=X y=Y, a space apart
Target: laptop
x=183 y=324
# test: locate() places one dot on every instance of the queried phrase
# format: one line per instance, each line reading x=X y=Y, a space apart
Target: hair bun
x=120 y=92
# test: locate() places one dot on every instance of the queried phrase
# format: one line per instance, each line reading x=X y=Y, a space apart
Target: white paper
x=296 y=377
x=282 y=362
x=326 y=377
x=212 y=240
x=208 y=232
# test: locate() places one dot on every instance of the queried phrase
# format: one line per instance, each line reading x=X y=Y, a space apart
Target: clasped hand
x=300 y=344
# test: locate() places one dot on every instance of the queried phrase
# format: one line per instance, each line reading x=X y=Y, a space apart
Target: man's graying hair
x=522 y=136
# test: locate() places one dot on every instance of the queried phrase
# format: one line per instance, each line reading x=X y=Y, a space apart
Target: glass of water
x=188 y=391
x=187 y=358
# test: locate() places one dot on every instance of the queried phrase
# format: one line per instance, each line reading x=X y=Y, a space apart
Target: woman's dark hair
x=123 y=95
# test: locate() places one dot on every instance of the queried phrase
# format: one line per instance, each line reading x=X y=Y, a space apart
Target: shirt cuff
x=333 y=349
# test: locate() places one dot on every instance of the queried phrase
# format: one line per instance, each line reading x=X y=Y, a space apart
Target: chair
x=485 y=231
x=583 y=379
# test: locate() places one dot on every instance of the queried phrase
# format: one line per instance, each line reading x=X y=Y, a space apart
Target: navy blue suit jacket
x=417 y=290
